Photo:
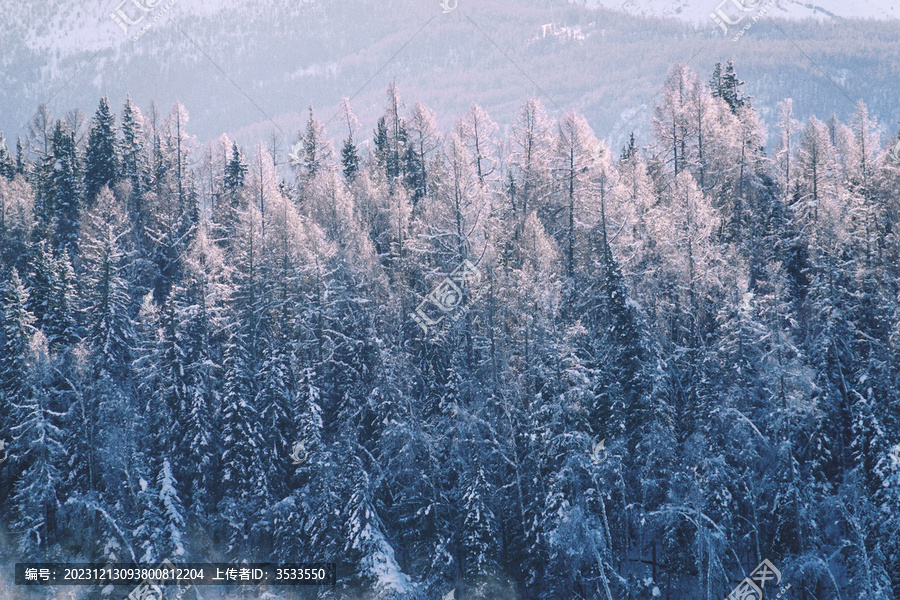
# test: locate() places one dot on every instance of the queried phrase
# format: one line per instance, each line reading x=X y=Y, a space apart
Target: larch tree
x=574 y=159
x=422 y=140
x=671 y=120
x=530 y=161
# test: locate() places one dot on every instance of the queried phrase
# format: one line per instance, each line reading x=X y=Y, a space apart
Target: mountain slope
x=698 y=10
x=250 y=69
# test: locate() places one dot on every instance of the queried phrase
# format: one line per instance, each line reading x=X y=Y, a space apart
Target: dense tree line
x=176 y=319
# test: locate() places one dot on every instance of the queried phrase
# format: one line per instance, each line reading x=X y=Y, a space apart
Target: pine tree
x=814 y=205
x=349 y=160
x=17 y=330
x=784 y=154
x=37 y=441
x=200 y=313
x=381 y=144
x=149 y=530
x=40 y=281
x=671 y=120
x=173 y=513
x=174 y=212
x=391 y=140
x=232 y=202
x=454 y=217
x=22 y=164
x=109 y=324
x=262 y=187
x=478 y=531
x=727 y=86
x=60 y=324
x=179 y=146
x=28 y=425
x=235 y=171
x=135 y=169
x=373 y=556
x=349 y=152
x=16 y=334
x=316 y=149
x=17 y=220
x=102 y=153
x=245 y=494
x=65 y=196
x=7 y=166
x=715 y=81
x=630 y=149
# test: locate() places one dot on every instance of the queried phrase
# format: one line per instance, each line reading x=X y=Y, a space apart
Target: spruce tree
x=349 y=159
x=65 y=183
x=40 y=281
x=135 y=169
x=630 y=149
x=349 y=152
x=102 y=156
x=21 y=158
x=316 y=149
x=235 y=171
x=37 y=439
x=715 y=81
x=60 y=325
x=728 y=87
x=16 y=331
x=381 y=144
x=7 y=165
x=16 y=334
x=110 y=332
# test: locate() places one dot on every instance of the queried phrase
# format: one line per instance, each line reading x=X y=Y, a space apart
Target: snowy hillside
x=698 y=10
x=251 y=68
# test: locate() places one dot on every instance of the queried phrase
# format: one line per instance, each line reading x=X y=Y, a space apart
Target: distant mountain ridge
x=699 y=10
x=249 y=69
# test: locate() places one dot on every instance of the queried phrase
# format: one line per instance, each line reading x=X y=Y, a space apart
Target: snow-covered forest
x=682 y=359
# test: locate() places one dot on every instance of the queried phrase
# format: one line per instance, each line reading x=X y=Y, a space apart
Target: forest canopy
x=721 y=321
